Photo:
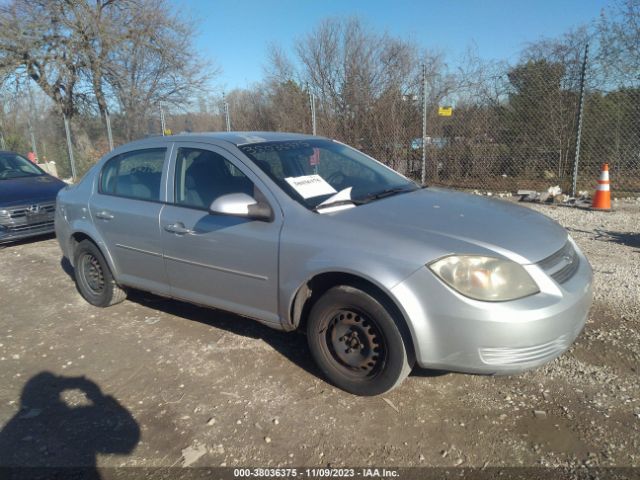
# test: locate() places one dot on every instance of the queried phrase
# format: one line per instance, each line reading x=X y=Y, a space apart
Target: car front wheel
x=93 y=276
x=356 y=342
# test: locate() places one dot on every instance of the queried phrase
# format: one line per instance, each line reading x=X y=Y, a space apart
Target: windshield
x=313 y=172
x=13 y=165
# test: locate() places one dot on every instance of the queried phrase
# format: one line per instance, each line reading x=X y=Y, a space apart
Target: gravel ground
x=153 y=382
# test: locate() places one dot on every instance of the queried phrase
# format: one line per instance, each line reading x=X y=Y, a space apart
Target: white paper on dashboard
x=309 y=186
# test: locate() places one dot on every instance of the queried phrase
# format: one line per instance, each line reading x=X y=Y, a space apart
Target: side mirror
x=241 y=205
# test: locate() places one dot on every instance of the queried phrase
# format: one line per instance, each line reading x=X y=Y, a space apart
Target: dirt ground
x=154 y=382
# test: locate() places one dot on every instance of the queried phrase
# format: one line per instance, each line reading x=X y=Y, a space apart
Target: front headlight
x=485 y=278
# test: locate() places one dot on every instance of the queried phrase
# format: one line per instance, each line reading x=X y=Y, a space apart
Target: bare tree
x=566 y=50
x=97 y=30
x=34 y=41
x=619 y=36
x=481 y=81
x=82 y=52
x=279 y=68
x=367 y=84
x=155 y=63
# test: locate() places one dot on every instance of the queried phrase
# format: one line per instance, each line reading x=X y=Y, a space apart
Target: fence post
x=163 y=124
x=227 y=118
x=34 y=147
x=109 y=135
x=312 y=102
x=2 y=142
x=69 y=147
x=424 y=125
x=32 y=107
x=574 y=179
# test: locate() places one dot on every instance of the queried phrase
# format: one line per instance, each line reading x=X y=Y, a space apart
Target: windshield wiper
x=337 y=203
x=362 y=200
x=343 y=197
x=384 y=193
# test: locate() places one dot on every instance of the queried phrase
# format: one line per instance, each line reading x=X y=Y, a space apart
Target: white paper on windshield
x=344 y=194
x=309 y=186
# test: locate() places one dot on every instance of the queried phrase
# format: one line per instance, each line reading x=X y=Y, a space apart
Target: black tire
x=93 y=276
x=356 y=342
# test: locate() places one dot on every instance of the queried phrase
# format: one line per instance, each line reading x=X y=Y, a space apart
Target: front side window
x=134 y=174
x=313 y=171
x=13 y=165
x=203 y=175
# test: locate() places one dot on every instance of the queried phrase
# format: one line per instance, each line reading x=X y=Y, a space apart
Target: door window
x=134 y=174
x=203 y=175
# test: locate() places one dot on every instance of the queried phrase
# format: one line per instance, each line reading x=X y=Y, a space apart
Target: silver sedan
x=302 y=232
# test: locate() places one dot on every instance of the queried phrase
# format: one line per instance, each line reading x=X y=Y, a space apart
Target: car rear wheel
x=93 y=276
x=356 y=342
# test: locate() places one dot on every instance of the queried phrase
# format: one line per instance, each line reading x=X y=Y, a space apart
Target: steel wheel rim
x=355 y=343
x=92 y=273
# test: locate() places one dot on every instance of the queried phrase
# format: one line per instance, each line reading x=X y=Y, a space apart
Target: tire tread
x=336 y=295
x=114 y=293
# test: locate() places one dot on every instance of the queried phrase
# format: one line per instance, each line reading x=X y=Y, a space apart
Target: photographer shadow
x=63 y=423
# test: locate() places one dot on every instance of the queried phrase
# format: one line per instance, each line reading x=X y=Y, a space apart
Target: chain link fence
x=515 y=128
x=523 y=137
x=528 y=138
x=611 y=135
x=509 y=128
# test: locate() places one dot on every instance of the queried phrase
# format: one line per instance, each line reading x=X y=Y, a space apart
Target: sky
x=235 y=34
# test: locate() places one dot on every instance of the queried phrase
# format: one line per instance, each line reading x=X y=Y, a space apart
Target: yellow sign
x=445 y=111
x=167 y=131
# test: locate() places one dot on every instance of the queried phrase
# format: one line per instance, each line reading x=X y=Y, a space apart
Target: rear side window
x=134 y=174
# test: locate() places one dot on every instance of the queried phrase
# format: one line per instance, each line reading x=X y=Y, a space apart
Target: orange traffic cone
x=602 y=198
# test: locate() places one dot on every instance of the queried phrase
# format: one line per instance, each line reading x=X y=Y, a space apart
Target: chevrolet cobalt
x=303 y=232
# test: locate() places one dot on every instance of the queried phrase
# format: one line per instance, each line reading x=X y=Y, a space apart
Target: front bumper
x=19 y=222
x=13 y=235
x=453 y=332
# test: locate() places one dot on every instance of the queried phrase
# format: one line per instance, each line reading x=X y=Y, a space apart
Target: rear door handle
x=178 y=228
x=104 y=215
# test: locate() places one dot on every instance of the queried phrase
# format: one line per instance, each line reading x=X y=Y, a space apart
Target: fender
x=289 y=290
x=85 y=227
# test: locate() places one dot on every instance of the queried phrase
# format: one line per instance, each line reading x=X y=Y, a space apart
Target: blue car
x=27 y=198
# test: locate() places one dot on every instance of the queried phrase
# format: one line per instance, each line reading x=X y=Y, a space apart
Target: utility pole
x=424 y=125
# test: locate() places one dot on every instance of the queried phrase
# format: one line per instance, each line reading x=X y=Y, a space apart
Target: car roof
x=234 y=138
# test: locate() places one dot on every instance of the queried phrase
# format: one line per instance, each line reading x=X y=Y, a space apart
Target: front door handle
x=104 y=215
x=178 y=228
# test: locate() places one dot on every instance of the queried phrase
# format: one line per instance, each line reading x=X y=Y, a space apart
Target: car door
x=223 y=261
x=125 y=209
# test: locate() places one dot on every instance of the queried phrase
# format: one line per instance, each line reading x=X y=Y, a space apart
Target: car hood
x=17 y=191
x=448 y=220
